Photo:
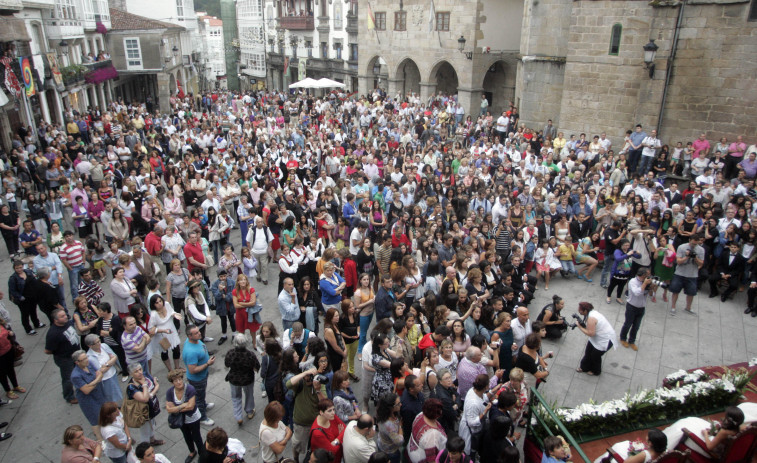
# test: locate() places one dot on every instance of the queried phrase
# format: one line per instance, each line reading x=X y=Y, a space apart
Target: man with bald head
x=521 y=326
x=470 y=367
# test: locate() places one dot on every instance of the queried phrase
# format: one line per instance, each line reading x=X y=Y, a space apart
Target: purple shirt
x=466 y=374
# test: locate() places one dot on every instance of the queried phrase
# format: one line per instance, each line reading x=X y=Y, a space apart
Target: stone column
x=470 y=99
x=164 y=92
x=59 y=107
x=101 y=92
x=394 y=87
x=365 y=84
x=109 y=91
x=427 y=90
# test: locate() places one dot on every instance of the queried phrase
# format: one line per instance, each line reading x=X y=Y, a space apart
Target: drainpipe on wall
x=669 y=67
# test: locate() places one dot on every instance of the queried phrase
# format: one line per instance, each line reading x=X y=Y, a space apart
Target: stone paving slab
x=720 y=334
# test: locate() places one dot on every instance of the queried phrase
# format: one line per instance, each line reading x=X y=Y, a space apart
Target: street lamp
x=461 y=46
x=175 y=51
x=650 y=51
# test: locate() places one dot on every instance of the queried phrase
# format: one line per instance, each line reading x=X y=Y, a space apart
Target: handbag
x=18 y=350
x=176 y=420
x=165 y=344
x=209 y=261
x=135 y=413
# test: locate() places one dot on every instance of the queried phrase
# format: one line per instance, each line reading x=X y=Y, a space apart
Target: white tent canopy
x=328 y=83
x=307 y=82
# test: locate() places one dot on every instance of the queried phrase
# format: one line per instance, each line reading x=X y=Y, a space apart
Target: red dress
x=241 y=315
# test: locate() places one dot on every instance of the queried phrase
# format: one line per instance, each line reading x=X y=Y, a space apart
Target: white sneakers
x=207 y=422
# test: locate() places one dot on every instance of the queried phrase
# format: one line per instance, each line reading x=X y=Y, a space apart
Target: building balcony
x=297 y=23
x=99 y=71
x=10 y=6
x=73 y=75
x=351 y=23
x=59 y=29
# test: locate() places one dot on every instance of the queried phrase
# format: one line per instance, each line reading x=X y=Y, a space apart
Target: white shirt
x=268 y=436
x=650 y=146
x=603 y=333
x=520 y=332
x=502 y=122
x=355 y=235
x=356 y=447
x=258 y=240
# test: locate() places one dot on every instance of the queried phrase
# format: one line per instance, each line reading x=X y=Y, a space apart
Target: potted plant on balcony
x=73 y=72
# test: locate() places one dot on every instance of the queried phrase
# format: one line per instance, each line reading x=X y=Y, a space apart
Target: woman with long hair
x=335 y=347
x=364 y=299
x=349 y=325
x=164 y=324
x=245 y=300
x=181 y=398
x=389 y=438
x=310 y=304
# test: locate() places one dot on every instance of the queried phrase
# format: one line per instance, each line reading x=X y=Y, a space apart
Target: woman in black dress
x=9 y=226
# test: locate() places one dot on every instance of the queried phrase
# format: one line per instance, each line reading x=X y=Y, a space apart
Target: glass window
x=180 y=9
x=615 y=39
x=380 y=21
x=442 y=21
x=400 y=20
x=133 y=53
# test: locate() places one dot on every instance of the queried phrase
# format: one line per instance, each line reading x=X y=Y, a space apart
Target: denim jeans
x=606 y=269
x=62 y=295
x=365 y=323
x=237 y=392
x=121 y=459
x=645 y=163
x=66 y=366
x=73 y=280
x=200 y=388
x=287 y=324
x=311 y=319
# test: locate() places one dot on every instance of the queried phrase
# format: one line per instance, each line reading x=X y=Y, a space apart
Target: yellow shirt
x=71 y=127
x=567 y=251
x=558 y=144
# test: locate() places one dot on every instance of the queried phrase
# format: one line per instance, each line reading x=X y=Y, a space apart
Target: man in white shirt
x=359 y=439
x=521 y=326
x=357 y=236
x=211 y=201
x=259 y=239
x=499 y=211
x=502 y=122
x=650 y=146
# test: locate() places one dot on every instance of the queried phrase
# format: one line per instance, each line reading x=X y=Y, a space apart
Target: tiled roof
x=122 y=21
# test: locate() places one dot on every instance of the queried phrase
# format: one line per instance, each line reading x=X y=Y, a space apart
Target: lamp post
x=461 y=48
x=650 y=51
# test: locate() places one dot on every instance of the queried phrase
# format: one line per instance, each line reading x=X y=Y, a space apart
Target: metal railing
x=536 y=400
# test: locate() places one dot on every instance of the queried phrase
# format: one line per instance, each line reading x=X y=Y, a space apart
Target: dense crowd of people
x=440 y=225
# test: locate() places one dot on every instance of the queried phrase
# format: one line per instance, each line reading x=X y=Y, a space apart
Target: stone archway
x=499 y=85
x=445 y=77
x=379 y=75
x=409 y=77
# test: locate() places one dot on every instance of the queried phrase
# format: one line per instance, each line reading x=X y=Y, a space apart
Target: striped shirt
x=72 y=253
x=130 y=341
x=91 y=291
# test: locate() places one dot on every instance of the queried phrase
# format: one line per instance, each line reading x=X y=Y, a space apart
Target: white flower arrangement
x=682 y=377
x=631 y=408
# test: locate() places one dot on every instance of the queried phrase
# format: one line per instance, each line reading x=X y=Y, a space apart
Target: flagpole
x=370 y=9
x=438 y=35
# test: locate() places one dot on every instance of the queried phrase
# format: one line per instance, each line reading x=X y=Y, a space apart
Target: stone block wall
x=713 y=76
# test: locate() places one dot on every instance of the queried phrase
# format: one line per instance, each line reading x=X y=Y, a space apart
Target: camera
x=659 y=283
x=579 y=321
x=322 y=379
x=496 y=344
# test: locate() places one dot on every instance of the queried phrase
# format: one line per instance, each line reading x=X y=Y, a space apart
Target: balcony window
x=133 y=53
x=338 y=49
x=324 y=50
x=400 y=20
x=380 y=21
x=353 y=52
x=309 y=48
x=442 y=21
x=66 y=9
x=338 y=16
x=180 y=9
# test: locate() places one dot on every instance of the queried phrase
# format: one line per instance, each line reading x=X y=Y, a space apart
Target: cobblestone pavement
x=719 y=334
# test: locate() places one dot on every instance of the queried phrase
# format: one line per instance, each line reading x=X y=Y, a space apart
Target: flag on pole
x=431 y=17
x=371 y=19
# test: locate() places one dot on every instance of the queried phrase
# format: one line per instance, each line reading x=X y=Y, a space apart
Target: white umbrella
x=328 y=83
x=307 y=82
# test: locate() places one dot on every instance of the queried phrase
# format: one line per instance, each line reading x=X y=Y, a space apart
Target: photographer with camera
x=612 y=237
x=638 y=290
x=690 y=258
x=309 y=388
x=601 y=335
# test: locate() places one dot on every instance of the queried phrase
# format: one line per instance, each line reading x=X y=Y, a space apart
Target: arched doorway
x=499 y=86
x=445 y=77
x=410 y=76
x=172 y=85
x=379 y=71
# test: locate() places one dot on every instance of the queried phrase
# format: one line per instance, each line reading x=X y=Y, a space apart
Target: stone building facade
x=414 y=48
x=569 y=72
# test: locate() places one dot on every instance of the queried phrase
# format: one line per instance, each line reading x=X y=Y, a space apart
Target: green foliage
x=212 y=7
